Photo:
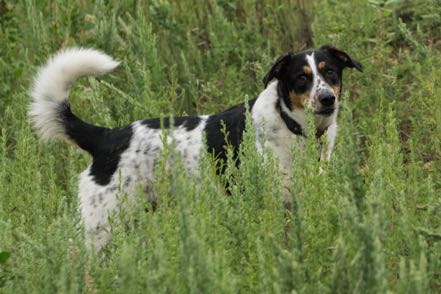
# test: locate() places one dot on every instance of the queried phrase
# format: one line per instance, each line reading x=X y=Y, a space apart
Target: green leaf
x=4 y=256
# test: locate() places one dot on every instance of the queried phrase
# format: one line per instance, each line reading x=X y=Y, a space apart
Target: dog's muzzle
x=327 y=104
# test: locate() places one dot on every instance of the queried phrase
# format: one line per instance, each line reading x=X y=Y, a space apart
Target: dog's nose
x=327 y=100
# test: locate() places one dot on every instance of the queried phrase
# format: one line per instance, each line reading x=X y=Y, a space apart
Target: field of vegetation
x=370 y=222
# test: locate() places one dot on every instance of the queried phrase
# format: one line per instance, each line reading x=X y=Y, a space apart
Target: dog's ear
x=277 y=68
x=342 y=57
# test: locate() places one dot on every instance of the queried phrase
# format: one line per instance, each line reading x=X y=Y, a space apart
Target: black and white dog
x=126 y=157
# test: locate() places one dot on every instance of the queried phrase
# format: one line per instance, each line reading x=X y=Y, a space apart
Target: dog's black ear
x=277 y=68
x=342 y=57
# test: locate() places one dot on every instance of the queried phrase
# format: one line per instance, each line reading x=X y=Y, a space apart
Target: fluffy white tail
x=50 y=91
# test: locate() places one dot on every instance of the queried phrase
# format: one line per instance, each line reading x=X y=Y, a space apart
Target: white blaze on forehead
x=311 y=62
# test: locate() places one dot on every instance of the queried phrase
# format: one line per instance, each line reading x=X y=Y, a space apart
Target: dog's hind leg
x=97 y=203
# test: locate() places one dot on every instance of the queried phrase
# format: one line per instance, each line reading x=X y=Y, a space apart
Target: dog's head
x=311 y=79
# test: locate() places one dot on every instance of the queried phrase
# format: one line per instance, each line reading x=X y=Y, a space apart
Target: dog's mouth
x=326 y=111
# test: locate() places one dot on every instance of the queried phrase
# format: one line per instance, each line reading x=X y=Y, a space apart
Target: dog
x=126 y=157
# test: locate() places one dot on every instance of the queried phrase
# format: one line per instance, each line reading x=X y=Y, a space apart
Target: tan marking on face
x=307 y=69
x=336 y=89
x=298 y=101
x=322 y=65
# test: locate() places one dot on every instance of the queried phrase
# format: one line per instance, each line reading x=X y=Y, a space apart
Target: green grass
x=369 y=223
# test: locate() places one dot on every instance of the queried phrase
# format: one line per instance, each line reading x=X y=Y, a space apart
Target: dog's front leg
x=286 y=192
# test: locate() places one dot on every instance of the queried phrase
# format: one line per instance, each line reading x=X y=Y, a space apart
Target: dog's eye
x=302 y=78
x=330 y=73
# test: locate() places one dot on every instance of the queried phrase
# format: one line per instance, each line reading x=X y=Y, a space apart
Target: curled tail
x=50 y=92
x=50 y=112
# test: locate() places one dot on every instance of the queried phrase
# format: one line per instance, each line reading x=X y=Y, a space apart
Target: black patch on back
x=188 y=122
x=232 y=121
x=114 y=143
x=104 y=144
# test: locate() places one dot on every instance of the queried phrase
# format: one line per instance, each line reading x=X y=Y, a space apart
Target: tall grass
x=369 y=221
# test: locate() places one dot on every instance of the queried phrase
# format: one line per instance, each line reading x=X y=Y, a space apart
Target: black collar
x=290 y=123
